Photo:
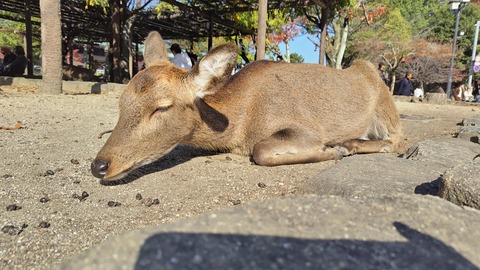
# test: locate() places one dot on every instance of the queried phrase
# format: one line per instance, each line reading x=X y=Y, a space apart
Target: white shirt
x=182 y=60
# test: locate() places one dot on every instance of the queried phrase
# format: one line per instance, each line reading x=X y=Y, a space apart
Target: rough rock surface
x=447 y=152
x=461 y=184
x=375 y=174
x=471 y=129
x=313 y=232
x=470 y=133
x=382 y=174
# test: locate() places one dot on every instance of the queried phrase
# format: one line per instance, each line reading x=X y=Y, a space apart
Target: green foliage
x=9 y=36
x=395 y=28
x=12 y=34
x=296 y=58
x=420 y=14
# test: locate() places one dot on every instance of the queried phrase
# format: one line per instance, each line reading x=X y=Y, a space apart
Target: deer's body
x=278 y=113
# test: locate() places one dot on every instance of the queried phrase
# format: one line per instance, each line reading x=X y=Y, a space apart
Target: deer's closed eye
x=160 y=109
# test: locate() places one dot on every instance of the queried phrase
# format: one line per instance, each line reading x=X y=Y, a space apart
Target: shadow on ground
x=233 y=251
x=179 y=155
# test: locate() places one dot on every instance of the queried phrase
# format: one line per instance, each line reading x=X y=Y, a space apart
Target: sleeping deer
x=278 y=113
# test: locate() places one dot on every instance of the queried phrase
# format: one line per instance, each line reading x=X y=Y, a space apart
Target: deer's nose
x=99 y=168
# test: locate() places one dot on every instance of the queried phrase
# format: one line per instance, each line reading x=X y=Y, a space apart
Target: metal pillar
x=449 y=85
x=456 y=7
x=474 y=51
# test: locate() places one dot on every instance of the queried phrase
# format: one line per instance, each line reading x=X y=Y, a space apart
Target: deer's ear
x=155 y=49
x=214 y=69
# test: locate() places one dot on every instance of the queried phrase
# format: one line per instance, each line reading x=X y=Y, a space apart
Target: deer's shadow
x=179 y=155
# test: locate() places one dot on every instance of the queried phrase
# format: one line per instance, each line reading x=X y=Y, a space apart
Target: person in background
x=383 y=73
x=279 y=58
x=17 y=67
x=476 y=92
x=180 y=59
x=8 y=57
x=406 y=87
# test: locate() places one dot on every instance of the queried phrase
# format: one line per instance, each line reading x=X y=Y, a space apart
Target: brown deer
x=278 y=113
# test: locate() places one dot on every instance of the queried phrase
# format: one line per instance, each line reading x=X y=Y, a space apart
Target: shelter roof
x=190 y=20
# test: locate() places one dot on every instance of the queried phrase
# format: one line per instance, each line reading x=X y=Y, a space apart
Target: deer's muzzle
x=99 y=168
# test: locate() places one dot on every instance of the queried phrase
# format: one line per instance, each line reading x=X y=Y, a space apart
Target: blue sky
x=303 y=46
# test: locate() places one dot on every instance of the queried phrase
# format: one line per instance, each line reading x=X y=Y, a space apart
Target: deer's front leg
x=274 y=152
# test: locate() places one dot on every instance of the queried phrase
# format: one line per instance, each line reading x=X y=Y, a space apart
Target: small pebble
x=149 y=202
x=5 y=176
x=74 y=161
x=9 y=229
x=261 y=185
x=113 y=204
x=49 y=172
x=85 y=194
x=228 y=158
x=236 y=202
x=44 y=200
x=13 y=207
x=44 y=224
x=138 y=196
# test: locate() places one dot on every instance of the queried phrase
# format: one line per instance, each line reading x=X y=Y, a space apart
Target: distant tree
x=296 y=58
x=282 y=29
x=321 y=16
x=123 y=14
x=429 y=63
x=425 y=70
x=387 y=39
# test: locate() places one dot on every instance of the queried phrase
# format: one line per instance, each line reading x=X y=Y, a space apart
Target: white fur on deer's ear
x=214 y=69
x=155 y=49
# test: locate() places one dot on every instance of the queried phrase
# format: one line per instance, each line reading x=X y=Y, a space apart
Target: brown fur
x=278 y=113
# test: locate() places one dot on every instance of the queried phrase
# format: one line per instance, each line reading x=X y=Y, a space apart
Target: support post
x=474 y=52
x=262 y=29
x=449 y=85
x=28 y=37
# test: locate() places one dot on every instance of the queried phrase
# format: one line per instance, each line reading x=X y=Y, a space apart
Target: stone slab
x=375 y=175
x=448 y=152
x=461 y=184
x=311 y=232
x=470 y=133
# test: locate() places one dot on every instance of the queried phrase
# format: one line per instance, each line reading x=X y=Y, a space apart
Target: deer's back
x=267 y=96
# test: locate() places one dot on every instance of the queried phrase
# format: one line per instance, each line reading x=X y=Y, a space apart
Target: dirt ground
x=52 y=208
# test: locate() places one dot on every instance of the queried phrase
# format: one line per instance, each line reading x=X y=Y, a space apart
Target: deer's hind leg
x=290 y=146
x=359 y=146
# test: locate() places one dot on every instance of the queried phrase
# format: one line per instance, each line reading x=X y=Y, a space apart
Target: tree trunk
x=116 y=41
x=287 y=51
x=436 y=98
x=51 y=31
x=127 y=43
x=262 y=29
x=393 y=75
x=343 y=45
x=323 y=40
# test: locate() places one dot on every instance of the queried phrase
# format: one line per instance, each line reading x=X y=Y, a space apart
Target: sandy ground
x=52 y=208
